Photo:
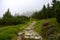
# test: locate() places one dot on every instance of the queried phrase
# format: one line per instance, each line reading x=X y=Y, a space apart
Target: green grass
x=10 y=32
x=39 y=23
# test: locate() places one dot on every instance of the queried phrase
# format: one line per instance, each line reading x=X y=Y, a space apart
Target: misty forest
x=41 y=25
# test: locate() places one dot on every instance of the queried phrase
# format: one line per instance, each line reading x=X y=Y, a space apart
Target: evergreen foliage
x=49 y=12
x=8 y=19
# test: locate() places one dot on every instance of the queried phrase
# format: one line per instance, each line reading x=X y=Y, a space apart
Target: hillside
x=51 y=21
x=10 y=32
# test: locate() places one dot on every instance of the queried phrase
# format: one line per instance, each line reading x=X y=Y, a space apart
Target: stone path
x=29 y=33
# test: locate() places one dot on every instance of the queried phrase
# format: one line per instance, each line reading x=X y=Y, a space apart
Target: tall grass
x=10 y=32
x=39 y=23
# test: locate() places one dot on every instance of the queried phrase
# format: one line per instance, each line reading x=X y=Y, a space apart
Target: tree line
x=46 y=12
x=49 y=12
x=8 y=19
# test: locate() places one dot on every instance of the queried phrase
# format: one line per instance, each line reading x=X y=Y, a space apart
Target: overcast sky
x=19 y=6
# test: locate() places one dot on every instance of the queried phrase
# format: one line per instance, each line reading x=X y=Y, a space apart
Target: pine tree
x=57 y=9
x=48 y=11
x=7 y=17
x=7 y=14
x=53 y=7
x=44 y=12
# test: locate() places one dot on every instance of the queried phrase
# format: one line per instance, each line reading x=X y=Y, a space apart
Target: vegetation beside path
x=52 y=21
x=10 y=32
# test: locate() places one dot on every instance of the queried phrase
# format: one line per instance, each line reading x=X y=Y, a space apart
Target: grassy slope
x=8 y=32
x=39 y=23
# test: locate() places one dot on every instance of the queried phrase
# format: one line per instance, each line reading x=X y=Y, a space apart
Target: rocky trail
x=29 y=33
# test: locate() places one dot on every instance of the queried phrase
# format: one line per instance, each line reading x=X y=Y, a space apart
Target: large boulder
x=45 y=23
